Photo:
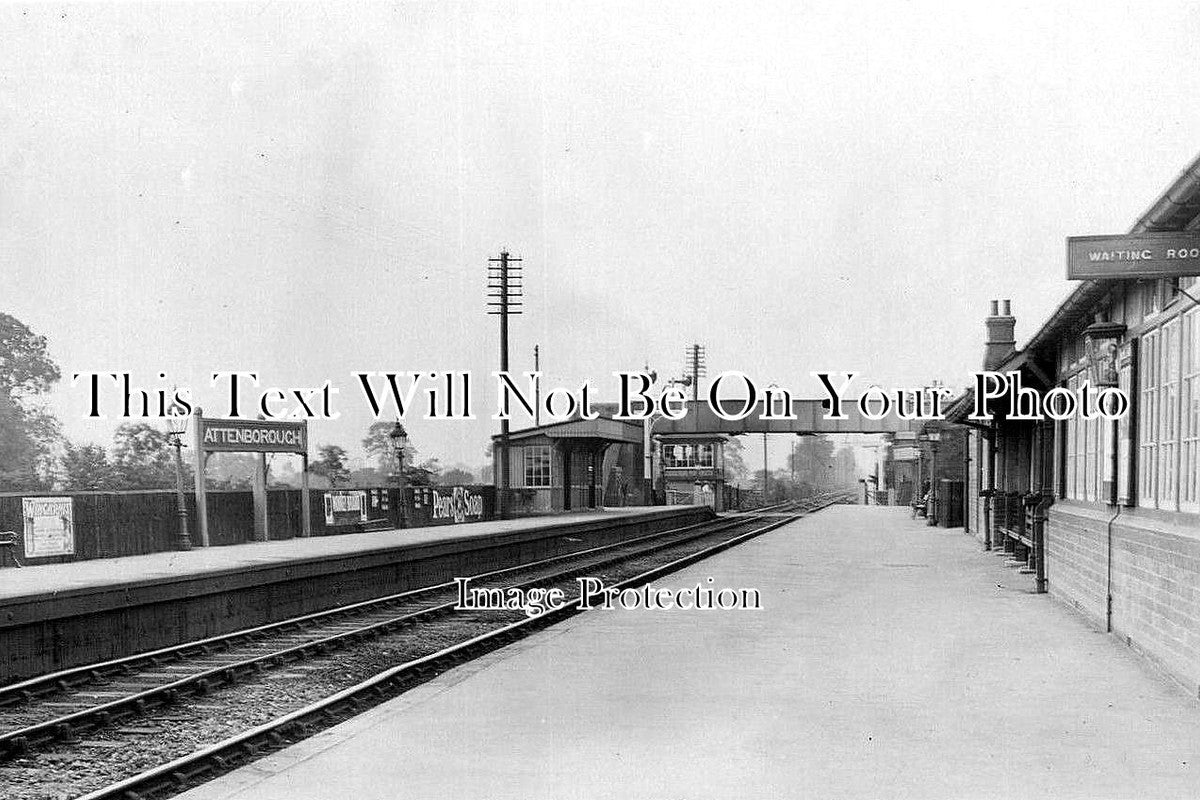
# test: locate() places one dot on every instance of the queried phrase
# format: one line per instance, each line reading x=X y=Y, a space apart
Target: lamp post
x=176 y=426
x=765 y=476
x=1103 y=347
x=1103 y=341
x=920 y=484
x=648 y=441
x=933 y=437
x=399 y=438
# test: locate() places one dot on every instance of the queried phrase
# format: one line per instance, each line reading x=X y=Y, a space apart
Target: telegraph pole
x=696 y=368
x=793 y=463
x=764 y=468
x=537 y=390
x=504 y=297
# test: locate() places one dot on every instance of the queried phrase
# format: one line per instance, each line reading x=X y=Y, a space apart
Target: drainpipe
x=966 y=510
x=1108 y=592
x=1108 y=597
x=988 y=522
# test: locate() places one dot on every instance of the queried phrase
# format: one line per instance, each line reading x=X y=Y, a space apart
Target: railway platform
x=60 y=579
x=61 y=615
x=889 y=659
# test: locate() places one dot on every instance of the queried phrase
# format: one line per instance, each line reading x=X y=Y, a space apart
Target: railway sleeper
x=15 y=747
x=64 y=732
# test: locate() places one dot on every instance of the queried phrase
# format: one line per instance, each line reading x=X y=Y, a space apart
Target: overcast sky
x=307 y=190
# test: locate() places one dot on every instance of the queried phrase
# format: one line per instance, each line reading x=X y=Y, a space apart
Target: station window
x=537 y=467
x=688 y=456
x=1189 y=458
x=676 y=455
x=1147 y=421
x=1169 y=415
x=1087 y=449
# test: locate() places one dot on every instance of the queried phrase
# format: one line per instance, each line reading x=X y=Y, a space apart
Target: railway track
x=148 y=725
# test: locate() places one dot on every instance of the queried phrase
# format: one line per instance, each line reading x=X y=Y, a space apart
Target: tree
x=456 y=476
x=27 y=435
x=428 y=472
x=142 y=457
x=86 y=466
x=378 y=444
x=735 y=464
x=368 y=476
x=25 y=366
x=812 y=461
x=330 y=464
x=232 y=470
x=27 y=432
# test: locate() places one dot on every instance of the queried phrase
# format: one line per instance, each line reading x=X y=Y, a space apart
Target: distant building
x=691 y=469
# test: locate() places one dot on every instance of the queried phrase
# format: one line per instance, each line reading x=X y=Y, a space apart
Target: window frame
x=541 y=469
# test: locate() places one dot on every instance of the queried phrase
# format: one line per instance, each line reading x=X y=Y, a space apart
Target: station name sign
x=1134 y=255
x=261 y=436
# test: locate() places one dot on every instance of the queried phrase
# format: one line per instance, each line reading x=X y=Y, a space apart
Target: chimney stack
x=1001 y=335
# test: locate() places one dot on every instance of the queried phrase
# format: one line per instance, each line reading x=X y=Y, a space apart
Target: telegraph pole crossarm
x=504 y=293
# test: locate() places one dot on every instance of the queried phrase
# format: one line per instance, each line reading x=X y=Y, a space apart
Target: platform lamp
x=399 y=438
x=933 y=436
x=177 y=421
x=1102 y=346
x=1103 y=343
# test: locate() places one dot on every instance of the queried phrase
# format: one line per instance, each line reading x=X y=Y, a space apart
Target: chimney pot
x=1001 y=341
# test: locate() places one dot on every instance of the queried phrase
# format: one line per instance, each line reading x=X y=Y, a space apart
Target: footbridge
x=807 y=417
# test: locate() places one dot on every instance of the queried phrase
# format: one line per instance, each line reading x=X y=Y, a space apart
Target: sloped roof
x=1178 y=208
x=611 y=430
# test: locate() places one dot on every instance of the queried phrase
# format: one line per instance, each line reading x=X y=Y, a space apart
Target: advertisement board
x=49 y=526
x=451 y=505
x=345 y=506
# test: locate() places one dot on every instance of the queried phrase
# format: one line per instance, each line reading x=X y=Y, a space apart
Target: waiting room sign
x=1134 y=255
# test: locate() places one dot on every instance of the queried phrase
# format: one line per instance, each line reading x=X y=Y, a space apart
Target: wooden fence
x=127 y=523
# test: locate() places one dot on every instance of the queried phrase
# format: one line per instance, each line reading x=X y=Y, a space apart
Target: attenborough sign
x=259 y=436
x=1134 y=255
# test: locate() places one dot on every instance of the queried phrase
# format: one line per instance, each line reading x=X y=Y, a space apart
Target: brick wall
x=1156 y=571
x=1076 y=557
x=1155 y=578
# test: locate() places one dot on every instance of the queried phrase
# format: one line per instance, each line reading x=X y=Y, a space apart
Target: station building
x=933 y=457
x=573 y=465
x=1105 y=515
x=692 y=469
x=585 y=464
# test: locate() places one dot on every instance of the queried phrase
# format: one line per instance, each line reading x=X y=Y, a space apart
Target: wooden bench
x=1024 y=529
x=9 y=542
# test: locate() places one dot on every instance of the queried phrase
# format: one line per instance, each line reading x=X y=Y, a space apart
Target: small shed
x=574 y=464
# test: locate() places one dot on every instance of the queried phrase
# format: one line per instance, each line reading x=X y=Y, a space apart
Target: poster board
x=345 y=506
x=49 y=526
